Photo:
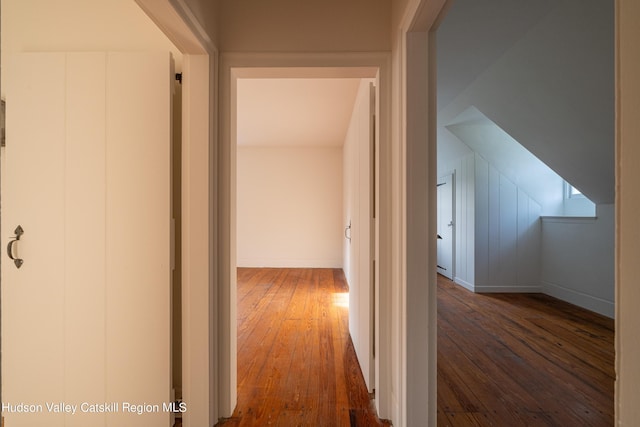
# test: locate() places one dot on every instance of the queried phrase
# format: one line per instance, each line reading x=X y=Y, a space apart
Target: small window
x=572 y=192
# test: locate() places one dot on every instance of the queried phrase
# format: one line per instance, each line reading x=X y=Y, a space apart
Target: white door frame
x=232 y=67
x=423 y=18
x=418 y=331
x=200 y=361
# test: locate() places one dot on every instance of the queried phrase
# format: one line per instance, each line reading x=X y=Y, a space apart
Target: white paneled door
x=86 y=317
x=360 y=209
x=446 y=226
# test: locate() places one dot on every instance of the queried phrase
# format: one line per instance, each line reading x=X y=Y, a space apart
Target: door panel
x=446 y=226
x=359 y=210
x=87 y=317
x=138 y=231
x=85 y=281
x=33 y=353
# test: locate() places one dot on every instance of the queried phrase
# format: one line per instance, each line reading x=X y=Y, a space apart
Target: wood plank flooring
x=522 y=360
x=296 y=362
x=503 y=359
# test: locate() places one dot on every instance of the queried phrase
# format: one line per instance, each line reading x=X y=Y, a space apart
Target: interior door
x=446 y=226
x=361 y=247
x=86 y=316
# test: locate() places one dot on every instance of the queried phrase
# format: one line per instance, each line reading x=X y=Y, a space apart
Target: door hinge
x=373 y=299
x=173 y=244
x=3 y=140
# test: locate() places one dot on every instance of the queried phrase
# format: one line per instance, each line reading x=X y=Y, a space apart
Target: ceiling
x=294 y=111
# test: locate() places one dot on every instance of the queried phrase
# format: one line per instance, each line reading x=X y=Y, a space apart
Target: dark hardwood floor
x=296 y=362
x=503 y=359
x=522 y=360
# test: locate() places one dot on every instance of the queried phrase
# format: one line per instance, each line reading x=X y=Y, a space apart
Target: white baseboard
x=289 y=263
x=509 y=289
x=498 y=289
x=464 y=284
x=598 y=305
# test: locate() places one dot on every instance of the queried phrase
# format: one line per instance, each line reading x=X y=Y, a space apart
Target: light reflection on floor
x=341 y=299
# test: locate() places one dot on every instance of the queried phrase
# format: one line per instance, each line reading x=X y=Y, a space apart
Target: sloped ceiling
x=542 y=71
x=294 y=111
x=521 y=167
x=475 y=34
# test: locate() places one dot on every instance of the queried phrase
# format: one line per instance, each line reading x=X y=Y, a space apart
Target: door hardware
x=18 y=261
x=347 y=232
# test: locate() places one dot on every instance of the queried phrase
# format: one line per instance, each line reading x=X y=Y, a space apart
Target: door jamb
x=200 y=361
x=418 y=296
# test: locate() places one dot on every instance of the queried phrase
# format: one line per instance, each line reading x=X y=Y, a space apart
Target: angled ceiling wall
x=544 y=72
x=517 y=164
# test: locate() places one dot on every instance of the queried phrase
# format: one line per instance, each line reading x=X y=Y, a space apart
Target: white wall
x=507 y=234
x=497 y=230
x=578 y=260
x=578 y=206
x=502 y=246
x=358 y=212
x=329 y=26
x=289 y=207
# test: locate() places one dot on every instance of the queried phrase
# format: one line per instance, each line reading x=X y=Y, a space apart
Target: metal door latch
x=347 y=232
x=18 y=261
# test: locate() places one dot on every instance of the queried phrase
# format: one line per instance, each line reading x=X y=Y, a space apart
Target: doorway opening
x=303 y=143
x=510 y=232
